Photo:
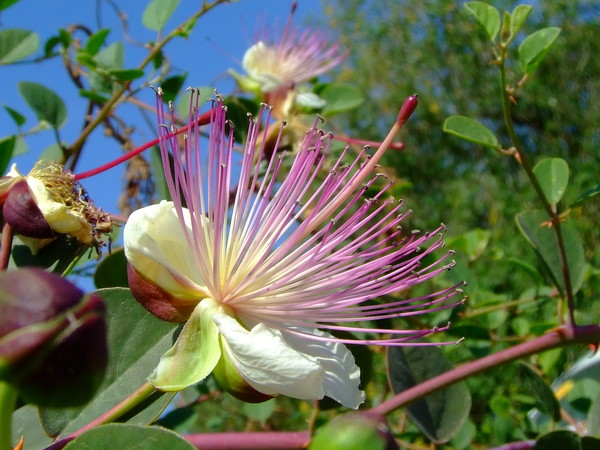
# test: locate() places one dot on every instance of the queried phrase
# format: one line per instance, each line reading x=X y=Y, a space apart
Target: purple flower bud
x=52 y=338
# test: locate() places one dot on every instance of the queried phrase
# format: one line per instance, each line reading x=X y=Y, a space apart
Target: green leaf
x=7 y=148
x=562 y=439
x=26 y=422
x=158 y=12
x=590 y=443
x=54 y=153
x=15 y=115
x=172 y=86
x=136 y=341
x=438 y=415
x=586 y=196
x=125 y=436
x=160 y=179
x=46 y=103
x=487 y=16
x=340 y=97
x=538 y=386
x=533 y=225
x=94 y=96
x=518 y=18
x=534 y=47
x=112 y=271
x=553 y=176
x=6 y=3
x=111 y=57
x=126 y=74
x=17 y=44
x=470 y=130
x=594 y=417
x=259 y=412
x=95 y=41
x=472 y=243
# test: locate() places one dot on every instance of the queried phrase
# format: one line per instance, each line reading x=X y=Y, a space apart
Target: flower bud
x=355 y=431
x=231 y=381
x=22 y=213
x=52 y=338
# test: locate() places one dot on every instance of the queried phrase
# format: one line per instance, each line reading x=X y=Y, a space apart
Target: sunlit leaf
x=518 y=18
x=46 y=104
x=470 y=130
x=534 y=226
x=158 y=12
x=17 y=44
x=126 y=436
x=95 y=41
x=340 y=97
x=487 y=16
x=438 y=415
x=553 y=176
x=126 y=74
x=534 y=47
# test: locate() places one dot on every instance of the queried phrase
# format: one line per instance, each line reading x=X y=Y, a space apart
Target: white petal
x=342 y=375
x=156 y=246
x=268 y=363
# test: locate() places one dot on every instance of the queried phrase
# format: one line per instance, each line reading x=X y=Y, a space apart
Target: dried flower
x=49 y=202
x=265 y=285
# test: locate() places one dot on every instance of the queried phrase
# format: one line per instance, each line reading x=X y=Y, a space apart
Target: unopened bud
x=52 y=338
x=355 y=431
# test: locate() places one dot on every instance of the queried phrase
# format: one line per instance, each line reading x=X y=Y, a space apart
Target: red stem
x=202 y=120
x=557 y=338
x=250 y=441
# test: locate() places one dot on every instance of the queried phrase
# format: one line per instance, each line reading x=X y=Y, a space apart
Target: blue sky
x=217 y=43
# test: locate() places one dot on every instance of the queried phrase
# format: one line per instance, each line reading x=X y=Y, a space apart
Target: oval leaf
x=534 y=226
x=136 y=341
x=487 y=16
x=562 y=439
x=534 y=47
x=470 y=130
x=45 y=102
x=158 y=12
x=553 y=176
x=517 y=19
x=340 y=97
x=125 y=436
x=441 y=414
x=16 y=44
